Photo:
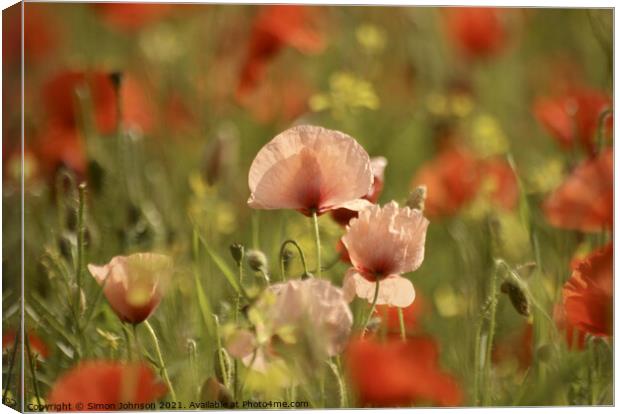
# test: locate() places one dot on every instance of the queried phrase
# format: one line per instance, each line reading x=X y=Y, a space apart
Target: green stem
x=372 y=308
x=301 y=256
x=80 y=251
x=317 y=237
x=237 y=311
x=491 y=333
x=130 y=354
x=9 y=374
x=33 y=370
x=477 y=362
x=401 y=321
x=162 y=365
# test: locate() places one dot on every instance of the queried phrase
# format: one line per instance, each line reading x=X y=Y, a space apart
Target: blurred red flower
x=57 y=146
x=572 y=118
x=588 y=294
x=398 y=373
x=275 y=27
x=37 y=345
x=585 y=200
x=40 y=35
x=478 y=32
x=61 y=104
x=574 y=337
x=63 y=109
x=452 y=180
x=505 y=191
x=517 y=346
x=106 y=382
x=131 y=16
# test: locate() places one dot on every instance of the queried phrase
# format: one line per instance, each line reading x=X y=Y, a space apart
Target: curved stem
x=80 y=253
x=372 y=307
x=164 y=371
x=317 y=237
x=301 y=256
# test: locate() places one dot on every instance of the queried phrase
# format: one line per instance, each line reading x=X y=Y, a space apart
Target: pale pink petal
x=355 y=205
x=377 y=165
x=100 y=273
x=241 y=344
x=386 y=240
x=309 y=167
x=394 y=290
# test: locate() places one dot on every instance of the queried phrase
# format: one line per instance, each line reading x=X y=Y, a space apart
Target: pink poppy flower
x=383 y=243
x=312 y=170
x=133 y=284
x=342 y=216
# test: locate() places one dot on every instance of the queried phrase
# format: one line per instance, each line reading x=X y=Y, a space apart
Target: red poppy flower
x=572 y=118
x=575 y=338
x=478 y=32
x=588 y=294
x=40 y=36
x=505 y=187
x=57 y=146
x=61 y=103
x=106 y=382
x=517 y=346
x=399 y=373
x=36 y=343
x=585 y=200
x=276 y=27
x=131 y=16
x=452 y=180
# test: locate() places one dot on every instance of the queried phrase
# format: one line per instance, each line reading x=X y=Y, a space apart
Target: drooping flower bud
x=237 y=251
x=517 y=296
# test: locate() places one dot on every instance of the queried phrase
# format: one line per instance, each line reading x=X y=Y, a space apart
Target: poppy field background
x=141 y=126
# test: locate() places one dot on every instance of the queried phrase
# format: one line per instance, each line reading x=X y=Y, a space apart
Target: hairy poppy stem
x=80 y=252
x=491 y=332
x=401 y=321
x=301 y=256
x=162 y=365
x=317 y=236
x=372 y=308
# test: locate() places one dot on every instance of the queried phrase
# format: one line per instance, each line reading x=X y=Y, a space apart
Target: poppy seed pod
x=237 y=252
x=517 y=296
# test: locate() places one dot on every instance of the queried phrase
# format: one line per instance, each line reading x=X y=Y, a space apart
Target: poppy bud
x=287 y=257
x=517 y=296
x=82 y=307
x=213 y=390
x=417 y=198
x=237 y=252
x=257 y=260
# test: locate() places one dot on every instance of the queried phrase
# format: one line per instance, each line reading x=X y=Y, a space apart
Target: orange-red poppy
x=572 y=118
x=106 y=384
x=477 y=32
x=60 y=146
x=40 y=34
x=62 y=106
x=585 y=200
x=452 y=179
x=131 y=16
x=588 y=294
x=274 y=28
x=398 y=373
x=575 y=338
